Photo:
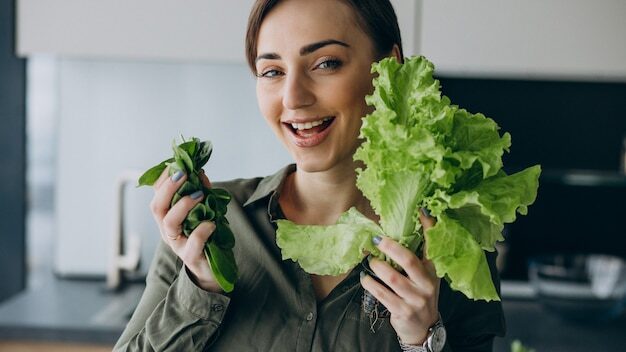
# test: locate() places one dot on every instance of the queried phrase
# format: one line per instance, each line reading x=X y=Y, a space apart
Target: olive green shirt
x=273 y=306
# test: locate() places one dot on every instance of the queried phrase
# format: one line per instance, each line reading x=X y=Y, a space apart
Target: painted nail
x=196 y=194
x=425 y=212
x=376 y=240
x=177 y=176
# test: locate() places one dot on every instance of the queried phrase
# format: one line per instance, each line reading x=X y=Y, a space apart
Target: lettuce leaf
x=419 y=150
x=459 y=258
x=329 y=250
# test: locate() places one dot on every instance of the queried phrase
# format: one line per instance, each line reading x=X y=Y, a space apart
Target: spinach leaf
x=152 y=175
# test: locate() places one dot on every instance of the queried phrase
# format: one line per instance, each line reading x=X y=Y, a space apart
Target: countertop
x=543 y=330
x=69 y=311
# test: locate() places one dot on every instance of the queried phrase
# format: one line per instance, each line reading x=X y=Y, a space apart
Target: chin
x=331 y=153
x=321 y=162
x=313 y=164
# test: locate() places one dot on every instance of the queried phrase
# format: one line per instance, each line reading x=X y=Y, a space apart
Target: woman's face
x=313 y=63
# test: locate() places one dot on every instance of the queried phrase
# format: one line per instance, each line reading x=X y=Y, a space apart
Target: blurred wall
x=117 y=116
x=553 y=40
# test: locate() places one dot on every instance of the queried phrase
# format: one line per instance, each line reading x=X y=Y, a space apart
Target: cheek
x=267 y=104
x=350 y=97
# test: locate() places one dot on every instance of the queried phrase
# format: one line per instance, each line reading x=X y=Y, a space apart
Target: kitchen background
x=110 y=84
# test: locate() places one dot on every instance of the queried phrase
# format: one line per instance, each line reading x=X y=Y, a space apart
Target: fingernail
x=369 y=258
x=362 y=274
x=177 y=176
x=425 y=212
x=196 y=194
x=376 y=240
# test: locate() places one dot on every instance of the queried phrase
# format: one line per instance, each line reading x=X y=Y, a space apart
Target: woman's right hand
x=189 y=249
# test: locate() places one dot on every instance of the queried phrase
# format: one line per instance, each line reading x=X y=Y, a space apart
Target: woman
x=312 y=62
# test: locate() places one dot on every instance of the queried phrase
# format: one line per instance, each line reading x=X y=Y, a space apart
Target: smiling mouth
x=310 y=129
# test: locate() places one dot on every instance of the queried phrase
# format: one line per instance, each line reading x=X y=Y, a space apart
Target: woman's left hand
x=412 y=299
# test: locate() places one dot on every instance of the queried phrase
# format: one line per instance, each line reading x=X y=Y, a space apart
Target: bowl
x=586 y=287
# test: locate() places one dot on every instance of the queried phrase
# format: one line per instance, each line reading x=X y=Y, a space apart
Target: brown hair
x=376 y=17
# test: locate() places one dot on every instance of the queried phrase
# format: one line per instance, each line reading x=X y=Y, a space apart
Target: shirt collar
x=270 y=185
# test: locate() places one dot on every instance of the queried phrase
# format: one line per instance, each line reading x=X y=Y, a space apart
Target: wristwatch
x=435 y=340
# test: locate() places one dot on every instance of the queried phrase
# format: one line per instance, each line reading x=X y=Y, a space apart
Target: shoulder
x=246 y=190
x=241 y=188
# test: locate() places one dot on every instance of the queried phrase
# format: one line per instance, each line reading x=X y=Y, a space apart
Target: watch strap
x=411 y=348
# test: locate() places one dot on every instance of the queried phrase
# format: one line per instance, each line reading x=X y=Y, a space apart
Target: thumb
x=425 y=219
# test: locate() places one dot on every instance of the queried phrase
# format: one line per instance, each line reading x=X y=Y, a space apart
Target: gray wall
x=117 y=117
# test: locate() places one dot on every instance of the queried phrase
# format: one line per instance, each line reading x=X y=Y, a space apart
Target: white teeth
x=307 y=125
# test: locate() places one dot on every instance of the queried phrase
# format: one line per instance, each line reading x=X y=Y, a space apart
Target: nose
x=297 y=92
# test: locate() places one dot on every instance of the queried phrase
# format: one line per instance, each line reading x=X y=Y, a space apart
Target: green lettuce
x=342 y=244
x=419 y=150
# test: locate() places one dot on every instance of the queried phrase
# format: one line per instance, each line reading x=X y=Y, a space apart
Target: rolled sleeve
x=174 y=314
x=198 y=302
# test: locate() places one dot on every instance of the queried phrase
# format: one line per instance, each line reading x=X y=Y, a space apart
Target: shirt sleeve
x=472 y=325
x=173 y=313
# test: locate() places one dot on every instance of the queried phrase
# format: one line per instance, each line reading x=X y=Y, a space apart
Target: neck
x=320 y=197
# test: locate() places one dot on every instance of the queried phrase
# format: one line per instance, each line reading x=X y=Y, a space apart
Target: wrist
x=209 y=286
x=413 y=340
x=433 y=341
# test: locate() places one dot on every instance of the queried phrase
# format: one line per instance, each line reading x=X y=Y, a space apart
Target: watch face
x=438 y=339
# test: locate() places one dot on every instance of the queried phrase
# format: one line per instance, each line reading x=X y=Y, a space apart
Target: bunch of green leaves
x=419 y=150
x=190 y=157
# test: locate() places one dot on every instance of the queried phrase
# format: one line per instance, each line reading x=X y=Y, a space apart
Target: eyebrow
x=305 y=50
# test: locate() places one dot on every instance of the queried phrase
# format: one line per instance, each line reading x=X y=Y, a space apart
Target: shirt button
x=217 y=307
x=309 y=316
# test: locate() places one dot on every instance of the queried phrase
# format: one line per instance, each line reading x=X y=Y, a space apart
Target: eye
x=329 y=64
x=272 y=73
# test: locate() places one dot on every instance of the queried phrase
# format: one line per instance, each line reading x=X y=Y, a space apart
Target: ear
x=395 y=52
